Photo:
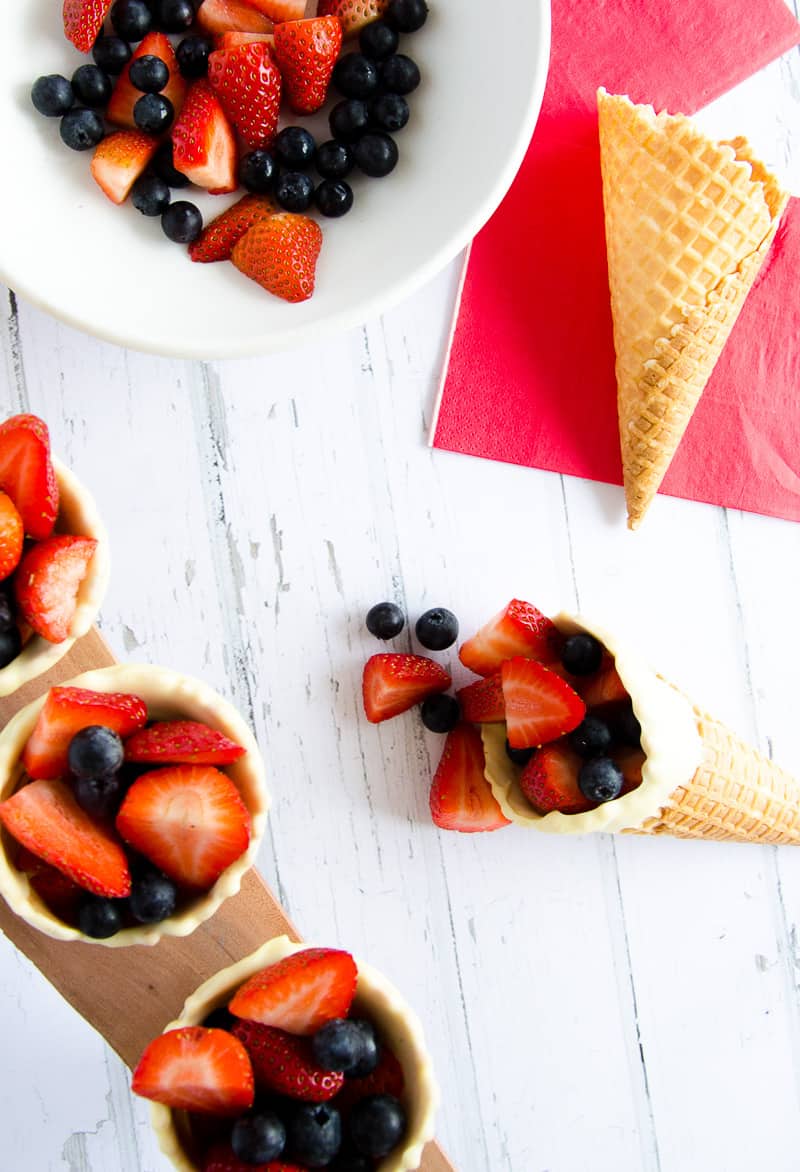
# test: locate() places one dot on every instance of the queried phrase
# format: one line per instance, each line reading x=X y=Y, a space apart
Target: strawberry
x=306 y=52
x=353 y=14
x=46 y=819
x=189 y=820
x=218 y=238
x=461 y=797
x=221 y=1158
x=47 y=584
x=386 y=1079
x=285 y=1065
x=125 y=95
x=280 y=254
x=550 y=781
x=195 y=1069
x=519 y=629
x=27 y=474
x=235 y=40
x=119 y=160
x=605 y=687
x=83 y=20
x=12 y=535
x=278 y=10
x=204 y=147
x=300 y=993
x=182 y=742
x=248 y=85
x=482 y=702
x=66 y=711
x=540 y=706
x=394 y=683
x=630 y=762
x=223 y=16
x=58 y=891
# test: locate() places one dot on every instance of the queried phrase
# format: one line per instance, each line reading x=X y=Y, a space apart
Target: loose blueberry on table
x=204 y=108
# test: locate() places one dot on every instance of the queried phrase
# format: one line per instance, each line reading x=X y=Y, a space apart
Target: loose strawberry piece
x=280 y=254
x=204 y=146
x=222 y=16
x=182 y=742
x=306 y=52
x=540 y=706
x=386 y=1079
x=221 y=1159
x=482 y=702
x=46 y=819
x=394 y=683
x=119 y=160
x=285 y=1065
x=278 y=10
x=631 y=763
x=235 y=40
x=300 y=993
x=47 y=584
x=550 y=781
x=220 y=236
x=604 y=688
x=519 y=629
x=461 y=797
x=125 y=95
x=83 y=20
x=58 y=891
x=27 y=474
x=12 y=535
x=66 y=711
x=189 y=820
x=195 y=1069
x=248 y=84
x=353 y=14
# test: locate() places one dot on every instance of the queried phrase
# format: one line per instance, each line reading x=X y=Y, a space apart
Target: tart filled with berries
x=132 y=803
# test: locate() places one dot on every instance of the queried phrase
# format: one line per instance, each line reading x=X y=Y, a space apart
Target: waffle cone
x=689 y=222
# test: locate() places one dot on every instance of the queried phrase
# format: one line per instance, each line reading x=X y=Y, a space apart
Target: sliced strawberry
x=461 y=797
x=27 y=474
x=46 y=819
x=482 y=702
x=604 y=688
x=12 y=535
x=386 y=1079
x=47 y=584
x=278 y=10
x=235 y=40
x=285 y=1065
x=353 y=14
x=631 y=763
x=57 y=890
x=394 y=683
x=189 y=820
x=83 y=20
x=66 y=711
x=519 y=629
x=119 y=160
x=540 y=706
x=306 y=52
x=195 y=1069
x=204 y=146
x=223 y=16
x=220 y=236
x=221 y=1158
x=550 y=781
x=300 y=993
x=280 y=254
x=182 y=742
x=248 y=84
x=125 y=95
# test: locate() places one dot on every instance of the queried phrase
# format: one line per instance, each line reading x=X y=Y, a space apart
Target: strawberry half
x=386 y=1079
x=12 y=535
x=125 y=95
x=285 y=1065
x=221 y=1158
x=280 y=254
x=550 y=781
x=630 y=762
x=83 y=20
x=46 y=819
x=306 y=52
x=195 y=1069
x=540 y=706
x=300 y=993
x=278 y=10
x=248 y=84
x=353 y=14
x=47 y=584
x=66 y=711
x=235 y=40
x=482 y=702
x=189 y=820
x=519 y=629
x=223 y=16
x=604 y=688
x=204 y=147
x=182 y=742
x=461 y=797
x=57 y=890
x=119 y=160
x=27 y=474
x=394 y=683
x=217 y=240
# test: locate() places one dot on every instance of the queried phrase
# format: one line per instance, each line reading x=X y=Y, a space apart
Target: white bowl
x=108 y=270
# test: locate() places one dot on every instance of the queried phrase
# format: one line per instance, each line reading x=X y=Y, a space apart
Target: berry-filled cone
x=699 y=780
x=168 y=696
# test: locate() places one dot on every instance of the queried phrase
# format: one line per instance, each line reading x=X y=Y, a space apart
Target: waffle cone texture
x=689 y=223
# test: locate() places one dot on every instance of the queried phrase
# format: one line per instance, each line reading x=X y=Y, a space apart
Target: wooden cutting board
x=102 y=983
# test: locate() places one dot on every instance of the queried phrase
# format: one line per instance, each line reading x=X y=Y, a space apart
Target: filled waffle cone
x=689 y=222
x=699 y=779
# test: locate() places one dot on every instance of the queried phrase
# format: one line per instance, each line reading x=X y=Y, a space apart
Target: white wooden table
x=605 y=1005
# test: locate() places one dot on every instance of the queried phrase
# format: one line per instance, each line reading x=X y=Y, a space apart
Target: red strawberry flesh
x=66 y=711
x=550 y=781
x=83 y=20
x=196 y=1069
x=280 y=254
x=284 y=1064
x=482 y=702
x=306 y=52
x=182 y=742
x=125 y=95
x=353 y=14
x=219 y=238
x=221 y=1158
x=386 y=1079
x=301 y=993
x=221 y=16
x=461 y=797
x=204 y=146
x=605 y=687
x=12 y=536
x=394 y=683
x=27 y=474
x=519 y=629
x=248 y=84
x=48 y=581
x=540 y=706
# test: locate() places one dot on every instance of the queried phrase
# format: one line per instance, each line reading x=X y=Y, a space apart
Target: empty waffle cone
x=699 y=779
x=689 y=222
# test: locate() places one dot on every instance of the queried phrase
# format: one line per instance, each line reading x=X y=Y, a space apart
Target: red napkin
x=531 y=371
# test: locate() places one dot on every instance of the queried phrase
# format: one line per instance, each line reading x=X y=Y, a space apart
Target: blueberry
x=10 y=645
x=314 y=1134
x=100 y=797
x=219 y=1019
x=294 y=191
x=378 y=40
x=149 y=74
x=111 y=53
x=600 y=780
x=591 y=738
x=95 y=752
x=257 y=171
x=437 y=629
x=334 y=198
x=339 y=1046
x=153 y=113
x=334 y=160
x=258 y=1139
x=407 y=15
x=441 y=713
x=174 y=16
x=349 y=120
x=132 y=19
x=192 y=54
x=52 y=95
x=351 y=1162
x=385 y=621
x=153 y=898
x=371 y=1051
x=582 y=655
x=163 y=166
x=7 y=612
x=400 y=75
x=99 y=917
x=91 y=86
x=376 y=155
x=389 y=112
x=520 y=757
x=182 y=222
x=295 y=148
x=355 y=76
x=150 y=195
x=627 y=727
x=377 y=1124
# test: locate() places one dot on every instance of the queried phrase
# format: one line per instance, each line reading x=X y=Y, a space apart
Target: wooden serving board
x=102 y=983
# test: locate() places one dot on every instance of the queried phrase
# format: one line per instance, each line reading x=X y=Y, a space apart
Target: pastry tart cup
x=78 y=515
x=376 y=998
x=169 y=696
